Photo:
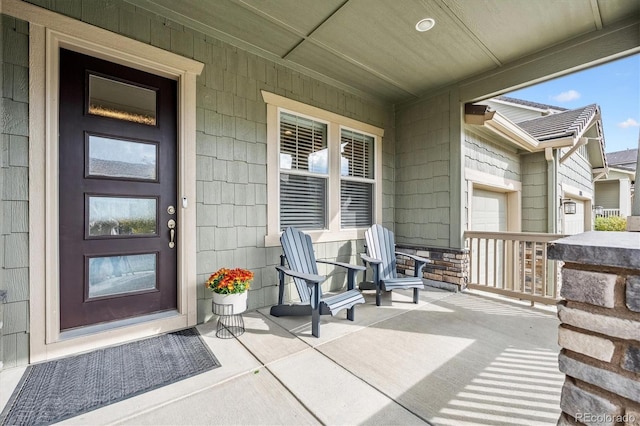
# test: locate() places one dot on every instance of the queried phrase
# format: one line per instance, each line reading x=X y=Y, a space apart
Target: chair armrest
x=343 y=265
x=370 y=260
x=309 y=278
x=414 y=257
x=352 y=271
x=420 y=262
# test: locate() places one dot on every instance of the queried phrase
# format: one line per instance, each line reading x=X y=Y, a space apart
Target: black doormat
x=64 y=388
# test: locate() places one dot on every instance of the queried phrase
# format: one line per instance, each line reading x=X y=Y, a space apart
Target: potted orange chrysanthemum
x=229 y=287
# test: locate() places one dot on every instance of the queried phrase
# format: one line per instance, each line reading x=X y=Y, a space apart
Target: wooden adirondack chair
x=298 y=252
x=381 y=255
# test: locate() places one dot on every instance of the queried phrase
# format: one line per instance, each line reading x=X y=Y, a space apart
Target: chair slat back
x=381 y=245
x=298 y=250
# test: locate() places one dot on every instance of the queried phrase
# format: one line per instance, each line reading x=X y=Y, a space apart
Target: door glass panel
x=114 y=99
x=122 y=159
x=113 y=275
x=122 y=216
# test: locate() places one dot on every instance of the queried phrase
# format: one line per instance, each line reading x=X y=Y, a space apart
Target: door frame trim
x=48 y=31
x=569 y=191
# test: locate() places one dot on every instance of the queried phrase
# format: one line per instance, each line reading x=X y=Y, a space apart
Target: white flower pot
x=229 y=304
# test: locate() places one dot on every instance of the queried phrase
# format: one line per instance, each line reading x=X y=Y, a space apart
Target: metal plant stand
x=229 y=324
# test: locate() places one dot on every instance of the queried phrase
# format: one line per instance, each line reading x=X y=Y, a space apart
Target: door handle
x=171 y=224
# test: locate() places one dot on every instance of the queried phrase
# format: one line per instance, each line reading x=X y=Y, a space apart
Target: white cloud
x=568 y=96
x=629 y=122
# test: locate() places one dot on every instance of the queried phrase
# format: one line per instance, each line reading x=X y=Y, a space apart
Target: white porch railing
x=513 y=264
x=610 y=212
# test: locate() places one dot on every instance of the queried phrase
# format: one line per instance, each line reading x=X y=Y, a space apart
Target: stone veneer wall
x=447 y=266
x=600 y=328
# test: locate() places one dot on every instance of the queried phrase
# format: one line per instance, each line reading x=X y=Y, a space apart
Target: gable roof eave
x=572 y=123
x=631 y=173
x=601 y=159
x=568 y=130
x=505 y=128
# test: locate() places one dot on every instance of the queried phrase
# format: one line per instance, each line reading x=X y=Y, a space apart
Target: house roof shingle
x=563 y=124
x=623 y=159
x=530 y=103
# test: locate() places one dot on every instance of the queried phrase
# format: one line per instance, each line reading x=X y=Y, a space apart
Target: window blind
x=303 y=144
x=356 y=204
x=356 y=151
x=356 y=196
x=303 y=148
x=302 y=201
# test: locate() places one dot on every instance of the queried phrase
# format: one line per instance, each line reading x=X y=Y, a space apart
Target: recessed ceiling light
x=425 y=24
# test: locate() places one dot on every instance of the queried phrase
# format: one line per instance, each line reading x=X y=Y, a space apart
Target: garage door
x=574 y=223
x=488 y=211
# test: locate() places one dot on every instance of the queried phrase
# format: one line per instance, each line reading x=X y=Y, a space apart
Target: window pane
x=114 y=99
x=121 y=159
x=122 y=216
x=356 y=201
x=303 y=144
x=356 y=155
x=302 y=201
x=121 y=274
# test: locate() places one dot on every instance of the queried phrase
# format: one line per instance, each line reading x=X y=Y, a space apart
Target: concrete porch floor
x=453 y=359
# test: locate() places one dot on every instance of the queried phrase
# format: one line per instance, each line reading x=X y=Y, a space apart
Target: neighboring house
x=145 y=144
x=528 y=159
x=615 y=191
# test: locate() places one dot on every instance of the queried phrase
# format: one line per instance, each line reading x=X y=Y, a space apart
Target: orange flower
x=227 y=281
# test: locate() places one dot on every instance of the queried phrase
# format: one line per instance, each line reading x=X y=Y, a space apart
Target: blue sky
x=614 y=86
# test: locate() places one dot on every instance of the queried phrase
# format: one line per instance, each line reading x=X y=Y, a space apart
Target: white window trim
x=336 y=123
x=48 y=31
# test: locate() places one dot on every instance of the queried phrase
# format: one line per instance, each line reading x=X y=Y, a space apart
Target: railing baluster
x=471 y=253
x=486 y=262
x=534 y=262
x=514 y=262
x=477 y=280
x=495 y=262
x=504 y=264
x=508 y=269
x=545 y=271
x=523 y=266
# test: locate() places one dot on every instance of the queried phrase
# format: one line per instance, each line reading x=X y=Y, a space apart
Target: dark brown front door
x=117 y=186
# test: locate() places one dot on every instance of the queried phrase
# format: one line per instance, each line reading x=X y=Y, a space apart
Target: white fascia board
x=558 y=143
x=631 y=173
x=506 y=128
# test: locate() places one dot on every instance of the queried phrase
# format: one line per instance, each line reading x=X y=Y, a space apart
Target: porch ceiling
x=371 y=46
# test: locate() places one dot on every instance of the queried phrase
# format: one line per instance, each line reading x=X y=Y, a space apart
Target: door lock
x=171 y=224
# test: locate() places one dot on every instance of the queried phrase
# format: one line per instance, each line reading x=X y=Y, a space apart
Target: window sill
x=321 y=236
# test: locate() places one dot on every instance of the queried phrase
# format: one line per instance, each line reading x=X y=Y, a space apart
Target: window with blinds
x=357 y=179
x=304 y=166
x=323 y=172
x=303 y=144
x=302 y=201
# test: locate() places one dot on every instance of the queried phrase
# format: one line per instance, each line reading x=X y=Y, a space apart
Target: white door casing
x=48 y=32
